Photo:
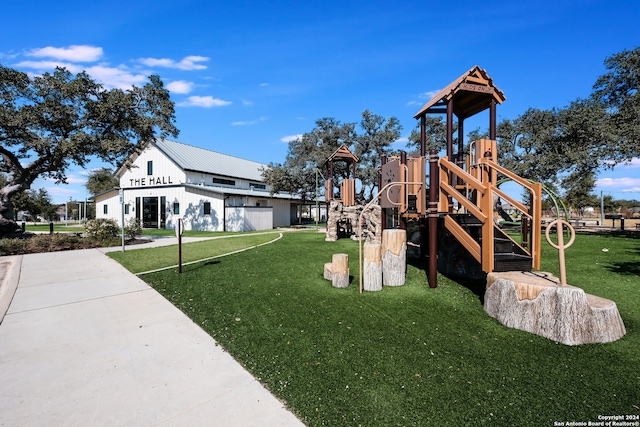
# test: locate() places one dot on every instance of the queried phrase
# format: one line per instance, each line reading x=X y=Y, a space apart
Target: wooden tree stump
x=339 y=270
x=562 y=313
x=394 y=257
x=372 y=276
x=327 y=270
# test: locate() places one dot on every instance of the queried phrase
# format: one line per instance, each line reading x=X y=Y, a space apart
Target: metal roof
x=241 y=192
x=198 y=159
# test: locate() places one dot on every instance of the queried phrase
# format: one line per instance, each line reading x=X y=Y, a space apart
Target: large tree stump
x=562 y=313
x=394 y=257
x=372 y=277
x=338 y=270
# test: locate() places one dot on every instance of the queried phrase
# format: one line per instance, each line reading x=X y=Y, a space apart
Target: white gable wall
x=164 y=171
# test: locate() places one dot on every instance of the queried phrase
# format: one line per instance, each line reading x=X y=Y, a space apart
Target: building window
x=176 y=208
x=224 y=181
x=150 y=167
x=259 y=186
x=105 y=209
x=207 y=208
x=126 y=209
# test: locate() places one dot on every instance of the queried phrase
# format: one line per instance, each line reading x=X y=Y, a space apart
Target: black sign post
x=179 y=228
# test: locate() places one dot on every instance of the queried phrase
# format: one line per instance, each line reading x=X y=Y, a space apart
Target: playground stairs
x=507 y=254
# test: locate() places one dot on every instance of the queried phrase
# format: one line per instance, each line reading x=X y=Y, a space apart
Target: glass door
x=150 y=212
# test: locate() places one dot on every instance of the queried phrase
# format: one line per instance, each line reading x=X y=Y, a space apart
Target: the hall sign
x=476 y=88
x=160 y=180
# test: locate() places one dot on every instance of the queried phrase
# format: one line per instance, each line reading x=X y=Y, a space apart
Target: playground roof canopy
x=343 y=153
x=472 y=93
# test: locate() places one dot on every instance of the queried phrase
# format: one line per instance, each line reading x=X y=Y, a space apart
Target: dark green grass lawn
x=410 y=356
x=149 y=259
x=57 y=227
x=193 y=233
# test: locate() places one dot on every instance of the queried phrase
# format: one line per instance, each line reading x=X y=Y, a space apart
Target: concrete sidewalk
x=84 y=342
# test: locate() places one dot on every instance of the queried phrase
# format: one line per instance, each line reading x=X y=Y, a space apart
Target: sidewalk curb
x=10 y=283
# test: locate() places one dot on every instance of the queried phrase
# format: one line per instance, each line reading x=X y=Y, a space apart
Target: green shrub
x=31 y=244
x=102 y=228
x=133 y=228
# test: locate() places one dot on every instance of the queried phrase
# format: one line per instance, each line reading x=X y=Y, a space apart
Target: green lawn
x=57 y=227
x=155 y=232
x=193 y=233
x=410 y=356
x=140 y=260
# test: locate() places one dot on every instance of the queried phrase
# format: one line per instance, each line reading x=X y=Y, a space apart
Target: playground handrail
x=484 y=209
x=535 y=188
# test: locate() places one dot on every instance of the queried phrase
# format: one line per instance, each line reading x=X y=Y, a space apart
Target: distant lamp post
x=121 y=193
x=317 y=202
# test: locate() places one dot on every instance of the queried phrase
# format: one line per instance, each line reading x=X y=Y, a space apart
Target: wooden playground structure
x=454 y=212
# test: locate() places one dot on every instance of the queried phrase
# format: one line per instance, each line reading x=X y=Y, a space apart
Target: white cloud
x=264 y=84
x=634 y=163
x=76 y=180
x=61 y=192
x=73 y=53
x=250 y=122
x=8 y=55
x=430 y=94
x=49 y=65
x=87 y=172
x=426 y=95
x=109 y=76
x=116 y=77
x=204 y=101
x=290 y=138
x=180 y=86
x=121 y=77
x=188 y=63
x=71 y=179
x=618 y=182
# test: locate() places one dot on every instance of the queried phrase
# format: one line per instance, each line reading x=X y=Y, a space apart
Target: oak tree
x=307 y=155
x=101 y=180
x=50 y=122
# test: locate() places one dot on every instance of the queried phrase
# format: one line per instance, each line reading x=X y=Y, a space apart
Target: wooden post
x=432 y=215
x=372 y=266
x=394 y=257
x=340 y=270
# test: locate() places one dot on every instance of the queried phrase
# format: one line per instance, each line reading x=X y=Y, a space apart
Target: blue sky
x=247 y=76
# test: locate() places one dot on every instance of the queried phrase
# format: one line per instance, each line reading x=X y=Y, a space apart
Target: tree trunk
x=372 y=276
x=8 y=225
x=394 y=257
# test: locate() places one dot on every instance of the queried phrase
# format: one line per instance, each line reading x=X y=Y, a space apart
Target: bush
x=30 y=244
x=133 y=228
x=102 y=228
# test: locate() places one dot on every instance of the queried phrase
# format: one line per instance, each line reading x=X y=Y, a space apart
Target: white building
x=208 y=190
